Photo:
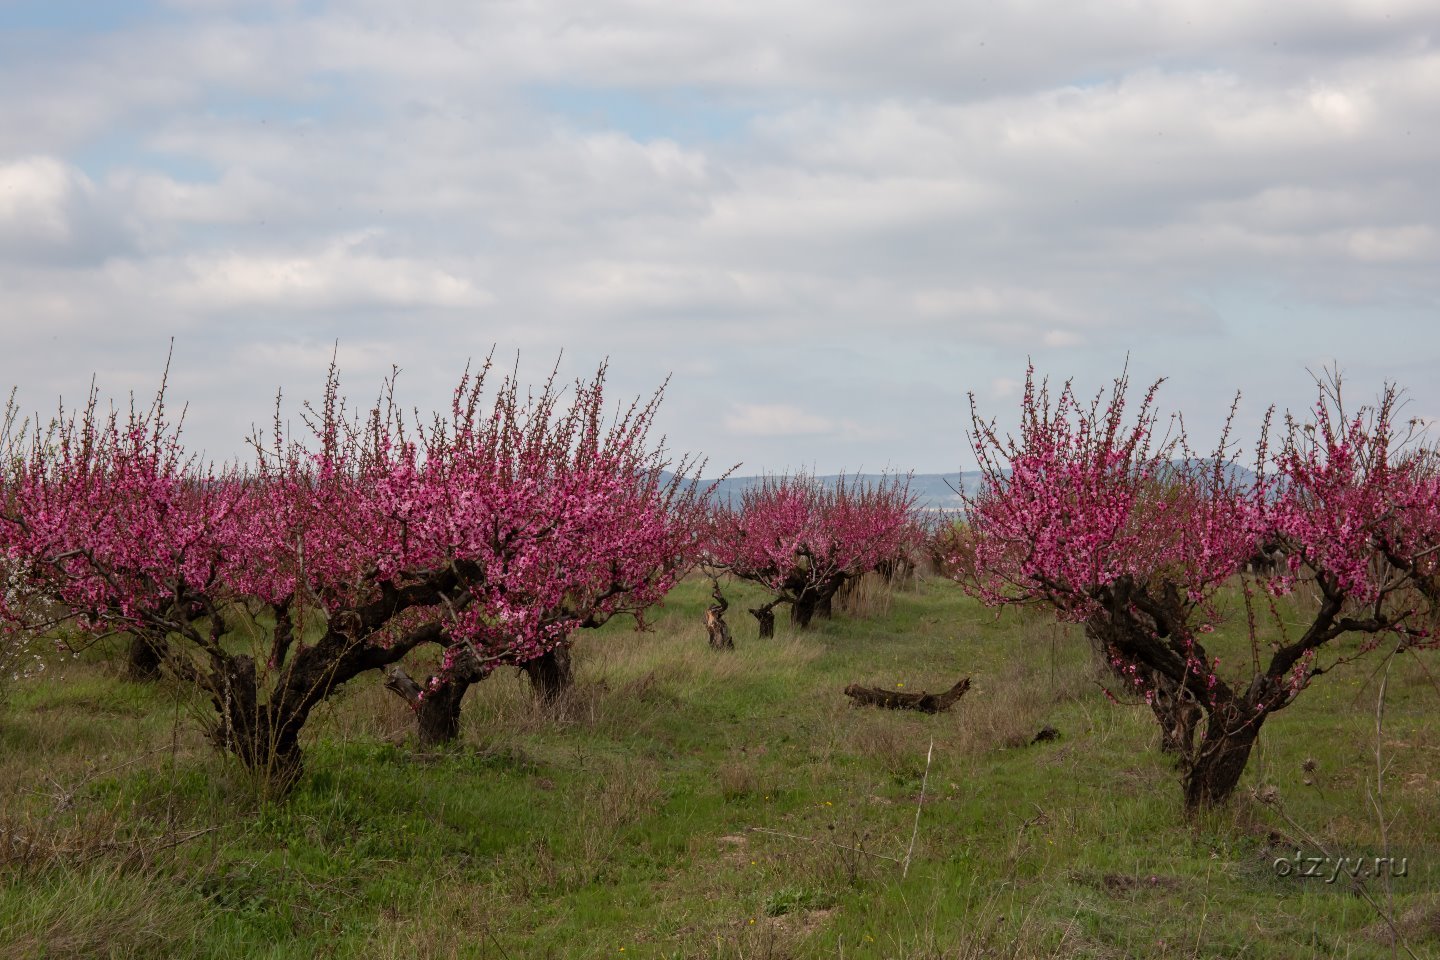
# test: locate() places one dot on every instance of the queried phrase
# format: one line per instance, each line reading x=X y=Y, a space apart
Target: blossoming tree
x=803 y=540
x=567 y=521
x=1088 y=512
x=493 y=534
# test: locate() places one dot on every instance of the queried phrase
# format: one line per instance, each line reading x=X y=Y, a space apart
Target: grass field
x=687 y=803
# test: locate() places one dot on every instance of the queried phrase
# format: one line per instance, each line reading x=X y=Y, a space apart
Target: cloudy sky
x=828 y=220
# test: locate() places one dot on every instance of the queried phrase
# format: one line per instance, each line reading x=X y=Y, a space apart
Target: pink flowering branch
x=495 y=532
x=1088 y=512
x=803 y=540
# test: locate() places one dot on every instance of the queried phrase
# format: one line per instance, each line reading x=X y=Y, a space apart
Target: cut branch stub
x=896 y=700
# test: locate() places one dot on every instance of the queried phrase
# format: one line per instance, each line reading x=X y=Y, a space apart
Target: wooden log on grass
x=897 y=700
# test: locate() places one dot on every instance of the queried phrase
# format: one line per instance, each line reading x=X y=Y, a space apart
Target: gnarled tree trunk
x=551 y=674
x=802 y=611
x=265 y=735
x=715 y=624
x=765 y=617
x=437 y=709
x=1176 y=711
x=1220 y=758
x=815 y=600
x=1178 y=714
x=437 y=705
x=142 y=664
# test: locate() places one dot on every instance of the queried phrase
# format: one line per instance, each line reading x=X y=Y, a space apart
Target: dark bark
x=1178 y=715
x=896 y=700
x=437 y=704
x=802 y=611
x=765 y=617
x=824 y=605
x=814 y=600
x=1145 y=635
x=265 y=737
x=551 y=674
x=1176 y=709
x=284 y=634
x=437 y=722
x=899 y=572
x=437 y=708
x=143 y=663
x=1221 y=757
x=264 y=734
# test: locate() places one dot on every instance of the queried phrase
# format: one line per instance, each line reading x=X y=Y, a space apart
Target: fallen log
x=896 y=700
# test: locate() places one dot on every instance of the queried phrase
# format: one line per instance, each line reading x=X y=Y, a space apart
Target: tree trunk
x=802 y=611
x=264 y=737
x=143 y=663
x=1176 y=712
x=765 y=616
x=438 y=720
x=551 y=673
x=1178 y=715
x=815 y=601
x=718 y=629
x=899 y=573
x=437 y=709
x=823 y=605
x=715 y=624
x=1213 y=776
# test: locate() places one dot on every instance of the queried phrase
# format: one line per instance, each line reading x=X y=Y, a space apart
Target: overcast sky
x=828 y=220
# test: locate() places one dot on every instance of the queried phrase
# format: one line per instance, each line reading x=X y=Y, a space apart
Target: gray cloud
x=830 y=222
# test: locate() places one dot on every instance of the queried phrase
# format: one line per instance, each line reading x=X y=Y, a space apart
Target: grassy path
x=650 y=820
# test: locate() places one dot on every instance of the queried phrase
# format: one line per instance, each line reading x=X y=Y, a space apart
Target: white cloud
x=50 y=212
x=35 y=196
x=1410 y=242
x=1003 y=388
x=162 y=202
x=774 y=420
x=880 y=207
x=1061 y=338
x=342 y=274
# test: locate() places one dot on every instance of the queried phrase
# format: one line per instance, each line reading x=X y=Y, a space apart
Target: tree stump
x=718 y=629
x=765 y=617
x=715 y=624
x=896 y=700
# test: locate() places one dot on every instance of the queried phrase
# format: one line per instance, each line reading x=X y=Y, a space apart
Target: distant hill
x=930 y=489
x=933 y=491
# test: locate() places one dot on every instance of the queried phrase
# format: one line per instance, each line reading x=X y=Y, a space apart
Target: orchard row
x=495 y=532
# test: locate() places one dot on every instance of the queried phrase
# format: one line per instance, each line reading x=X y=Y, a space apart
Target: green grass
x=687 y=803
